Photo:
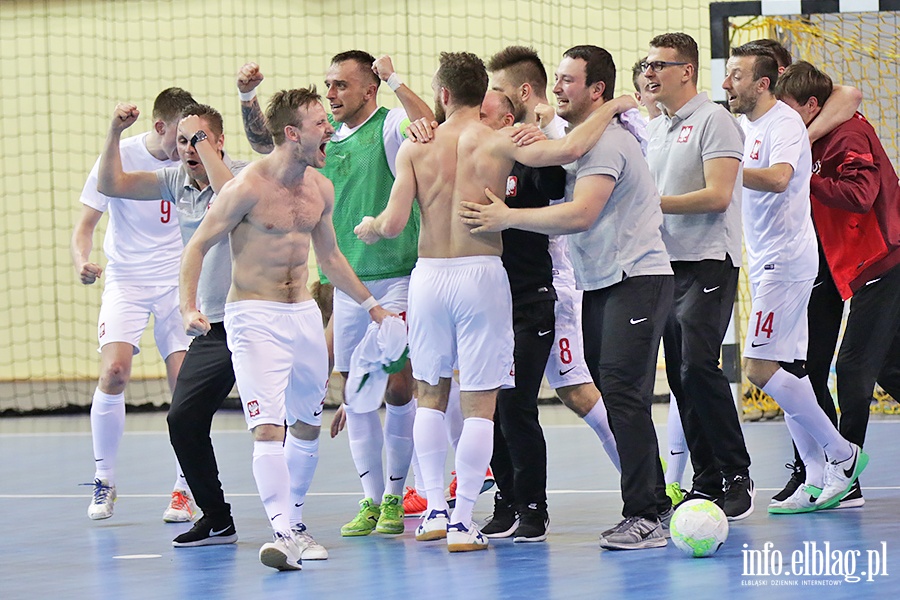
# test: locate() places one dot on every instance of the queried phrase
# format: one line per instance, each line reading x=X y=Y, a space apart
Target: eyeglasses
x=659 y=65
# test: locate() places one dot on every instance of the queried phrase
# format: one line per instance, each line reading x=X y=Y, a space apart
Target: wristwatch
x=198 y=137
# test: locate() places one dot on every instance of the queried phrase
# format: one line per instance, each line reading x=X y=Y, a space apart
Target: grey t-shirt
x=625 y=241
x=701 y=130
x=191 y=205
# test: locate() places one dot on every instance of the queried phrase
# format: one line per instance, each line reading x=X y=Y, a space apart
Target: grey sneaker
x=665 y=519
x=634 y=533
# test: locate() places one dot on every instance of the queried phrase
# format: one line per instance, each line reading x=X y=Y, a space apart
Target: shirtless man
x=451 y=318
x=272 y=211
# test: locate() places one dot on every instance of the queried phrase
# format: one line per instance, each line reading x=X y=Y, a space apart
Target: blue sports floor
x=50 y=549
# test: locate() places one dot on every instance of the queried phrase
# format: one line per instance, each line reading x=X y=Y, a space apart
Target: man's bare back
x=457 y=165
x=271 y=243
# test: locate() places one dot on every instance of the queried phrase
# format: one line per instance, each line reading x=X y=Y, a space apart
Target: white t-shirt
x=778 y=230
x=142 y=244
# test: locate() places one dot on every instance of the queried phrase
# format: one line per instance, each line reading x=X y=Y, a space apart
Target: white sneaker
x=282 y=553
x=101 y=506
x=181 y=509
x=803 y=500
x=433 y=526
x=310 y=549
x=839 y=477
x=465 y=539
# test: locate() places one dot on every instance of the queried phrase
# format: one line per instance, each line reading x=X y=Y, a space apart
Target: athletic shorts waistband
x=270 y=306
x=459 y=261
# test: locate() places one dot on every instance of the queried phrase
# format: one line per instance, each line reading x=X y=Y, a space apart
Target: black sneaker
x=206 y=533
x=798 y=478
x=533 y=524
x=503 y=522
x=853 y=498
x=698 y=495
x=739 y=493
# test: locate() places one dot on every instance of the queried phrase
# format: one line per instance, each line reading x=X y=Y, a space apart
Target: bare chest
x=283 y=212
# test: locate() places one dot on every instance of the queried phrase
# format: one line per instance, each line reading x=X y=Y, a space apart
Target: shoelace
x=101 y=492
x=180 y=502
x=625 y=524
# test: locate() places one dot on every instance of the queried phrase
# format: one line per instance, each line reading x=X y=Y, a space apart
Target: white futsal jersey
x=142 y=244
x=778 y=230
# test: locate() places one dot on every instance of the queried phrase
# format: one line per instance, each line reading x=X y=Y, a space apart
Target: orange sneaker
x=181 y=508
x=450 y=494
x=413 y=504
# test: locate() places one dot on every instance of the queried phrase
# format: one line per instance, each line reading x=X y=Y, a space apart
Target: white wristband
x=369 y=303
x=247 y=96
x=393 y=82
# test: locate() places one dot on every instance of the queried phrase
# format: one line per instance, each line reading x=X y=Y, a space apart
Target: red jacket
x=855 y=205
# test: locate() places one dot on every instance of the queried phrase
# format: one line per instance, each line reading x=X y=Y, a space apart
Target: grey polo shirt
x=701 y=130
x=191 y=205
x=625 y=241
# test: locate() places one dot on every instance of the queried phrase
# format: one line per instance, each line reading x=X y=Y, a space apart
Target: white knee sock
x=301 y=456
x=797 y=399
x=366 y=440
x=810 y=452
x=473 y=455
x=398 y=445
x=454 y=418
x=270 y=471
x=599 y=422
x=678 y=452
x=107 y=427
x=429 y=433
x=414 y=463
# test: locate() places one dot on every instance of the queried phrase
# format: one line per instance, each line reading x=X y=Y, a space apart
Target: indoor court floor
x=50 y=549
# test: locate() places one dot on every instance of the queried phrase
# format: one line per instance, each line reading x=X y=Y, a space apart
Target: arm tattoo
x=255 y=128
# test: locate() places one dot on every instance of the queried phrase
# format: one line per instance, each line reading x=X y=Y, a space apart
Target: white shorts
x=460 y=312
x=280 y=360
x=125 y=312
x=778 y=329
x=350 y=320
x=566 y=365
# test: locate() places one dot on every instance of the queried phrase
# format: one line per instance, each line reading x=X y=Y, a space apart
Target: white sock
x=270 y=471
x=598 y=420
x=797 y=399
x=107 y=427
x=366 y=440
x=678 y=451
x=473 y=455
x=454 y=418
x=398 y=445
x=301 y=456
x=429 y=433
x=810 y=452
x=180 y=482
x=414 y=463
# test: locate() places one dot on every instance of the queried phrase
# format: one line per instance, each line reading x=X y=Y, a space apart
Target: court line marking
x=337 y=494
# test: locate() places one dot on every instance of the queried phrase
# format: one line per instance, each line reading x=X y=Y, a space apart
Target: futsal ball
x=699 y=528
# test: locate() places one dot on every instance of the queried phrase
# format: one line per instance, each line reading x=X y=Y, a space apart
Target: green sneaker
x=391 y=519
x=675 y=493
x=365 y=521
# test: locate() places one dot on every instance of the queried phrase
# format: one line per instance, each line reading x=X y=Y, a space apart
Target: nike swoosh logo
x=848 y=473
x=317 y=413
x=395 y=478
x=213 y=532
x=708 y=290
x=673 y=453
x=275 y=517
x=363 y=474
x=636 y=321
x=755 y=345
x=561 y=372
x=815 y=285
x=298 y=505
x=873 y=281
x=543 y=333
